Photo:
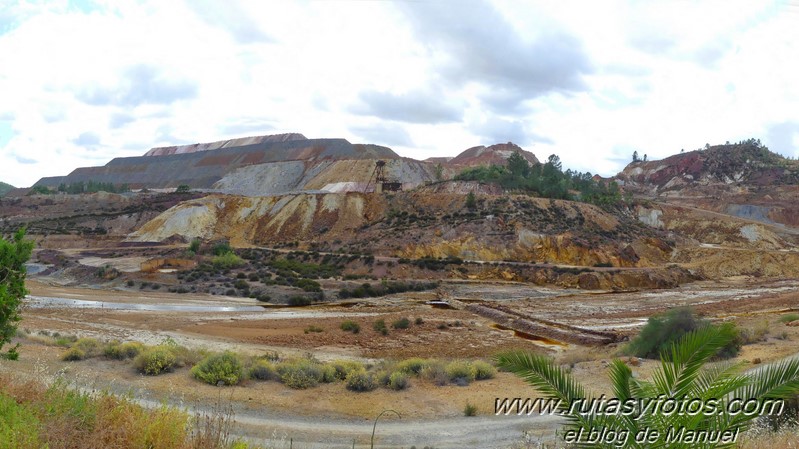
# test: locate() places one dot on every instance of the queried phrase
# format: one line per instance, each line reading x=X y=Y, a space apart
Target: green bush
x=483 y=370
x=380 y=326
x=350 y=326
x=412 y=366
x=227 y=260
x=121 y=351
x=662 y=331
x=221 y=248
x=344 y=367
x=308 y=285
x=300 y=374
x=328 y=373
x=460 y=372
x=90 y=347
x=787 y=318
x=73 y=354
x=194 y=246
x=382 y=377
x=361 y=381
x=470 y=410
x=402 y=323
x=19 y=426
x=398 y=381
x=299 y=301
x=263 y=370
x=155 y=360
x=435 y=373
x=224 y=368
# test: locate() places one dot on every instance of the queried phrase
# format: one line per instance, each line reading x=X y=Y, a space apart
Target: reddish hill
x=495 y=154
x=744 y=164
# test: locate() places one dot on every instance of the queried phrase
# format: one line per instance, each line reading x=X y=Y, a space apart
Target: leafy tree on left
x=13 y=255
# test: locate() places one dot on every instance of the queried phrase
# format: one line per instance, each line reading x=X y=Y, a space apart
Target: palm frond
x=542 y=373
x=777 y=380
x=681 y=362
x=719 y=381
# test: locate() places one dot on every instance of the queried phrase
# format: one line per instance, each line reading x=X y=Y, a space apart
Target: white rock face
x=751 y=232
x=651 y=217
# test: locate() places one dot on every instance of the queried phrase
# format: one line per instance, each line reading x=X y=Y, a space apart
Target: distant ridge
x=495 y=154
x=230 y=143
x=5 y=188
x=202 y=168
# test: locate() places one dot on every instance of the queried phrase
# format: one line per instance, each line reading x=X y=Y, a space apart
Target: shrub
x=227 y=260
x=361 y=381
x=470 y=410
x=661 y=331
x=787 y=318
x=308 y=285
x=263 y=370
x=435 y=373
x=222 y=248
x=412 y=366
x=754 y=335
x=194 y=246
x=380 y=326
x=299 y=301
x=483 y=370
x=328 y=374
x=241 y=284
x=344 y=367
x=460 y=372
x=73 y=354
x=402 y=323
x=314 y=329
x=419 y=321
x=90 y=346
x=398 y=381
x=382 y=377
x=299 y=374
x=155 y=360
x=217 y=369
x=121 y=351
x=350 y=326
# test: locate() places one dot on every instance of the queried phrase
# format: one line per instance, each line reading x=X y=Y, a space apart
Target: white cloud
x=84 y=82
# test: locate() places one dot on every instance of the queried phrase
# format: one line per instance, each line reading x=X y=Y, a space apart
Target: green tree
x=681 y=375
x=635 y=156
x=518 y=165
x=13 y=255
x=439 y=172
x=183 y=188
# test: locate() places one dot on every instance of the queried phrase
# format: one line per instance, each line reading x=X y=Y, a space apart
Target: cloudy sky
x=84 y=81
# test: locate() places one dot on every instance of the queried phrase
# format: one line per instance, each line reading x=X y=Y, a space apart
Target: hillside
x=721 y=168
x=497 y=154
x=280 y=164
x=5 y=188
x=203 y=168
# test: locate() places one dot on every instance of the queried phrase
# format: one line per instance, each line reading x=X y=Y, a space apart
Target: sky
x=85 y=81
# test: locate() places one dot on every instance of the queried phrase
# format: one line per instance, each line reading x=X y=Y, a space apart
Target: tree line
x=82 y=187
x=547 y=180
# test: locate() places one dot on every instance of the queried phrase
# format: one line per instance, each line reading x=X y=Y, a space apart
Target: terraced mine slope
x=201 y=169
